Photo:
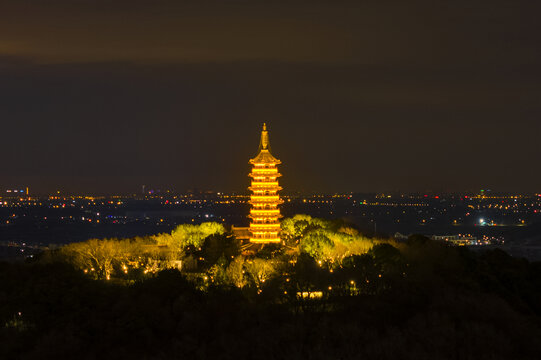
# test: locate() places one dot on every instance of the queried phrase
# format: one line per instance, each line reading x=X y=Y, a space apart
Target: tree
x=217 y=246
x=94 y=256
x=260 y=270
x=218 y=272
x=236 y=273
x=326 y=241
x=317 y=244
x=189 y=235
x=293 y=229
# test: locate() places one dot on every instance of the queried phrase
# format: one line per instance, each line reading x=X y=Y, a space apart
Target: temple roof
x=264 y=156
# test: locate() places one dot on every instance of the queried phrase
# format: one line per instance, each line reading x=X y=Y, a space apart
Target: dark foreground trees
x=418 y=300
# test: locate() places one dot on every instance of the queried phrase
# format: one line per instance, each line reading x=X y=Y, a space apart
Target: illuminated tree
x=294 y=228
x=217 y=246
x=317 y=244
x=123 y=258
x=217 y=272
x=94 y=256
x=236 y=273
x=260 y=270
x=348 y=231
x=189 y=235
x=327 y=245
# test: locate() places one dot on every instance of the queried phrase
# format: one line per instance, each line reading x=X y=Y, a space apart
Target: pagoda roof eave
x=265 y=157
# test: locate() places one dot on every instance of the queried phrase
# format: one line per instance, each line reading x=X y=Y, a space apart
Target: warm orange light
x=260 y=211
x=265 y=197
x=265 y=226
x=264 y=184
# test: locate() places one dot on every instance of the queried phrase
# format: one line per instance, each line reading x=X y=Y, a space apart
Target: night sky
x=358 y=96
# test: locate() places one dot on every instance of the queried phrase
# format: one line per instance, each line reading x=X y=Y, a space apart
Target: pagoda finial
x=264 y=144
x=264 y=155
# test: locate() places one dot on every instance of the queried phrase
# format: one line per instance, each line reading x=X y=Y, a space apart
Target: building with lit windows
x=264 y=213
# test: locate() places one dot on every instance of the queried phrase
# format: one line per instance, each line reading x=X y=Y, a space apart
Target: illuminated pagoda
x=264 y=226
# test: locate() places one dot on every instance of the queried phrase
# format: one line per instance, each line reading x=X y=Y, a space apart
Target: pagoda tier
x=264 y=188
x=265 y=215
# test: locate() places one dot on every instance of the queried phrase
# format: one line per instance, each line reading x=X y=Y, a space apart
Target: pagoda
x=264 y=225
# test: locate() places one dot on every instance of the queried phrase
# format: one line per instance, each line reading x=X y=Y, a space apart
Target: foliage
x=134 y=258
x=102 y=259
x=260 y=270
x=218 y=272
x=235 y=272
x=418 y=300
x=186 y=235
x=324 y=240
x=218 y=246
x=294 y=228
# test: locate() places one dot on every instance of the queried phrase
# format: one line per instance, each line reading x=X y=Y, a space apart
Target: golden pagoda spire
x=264 y=144
x=265 y=226
x=264 y=155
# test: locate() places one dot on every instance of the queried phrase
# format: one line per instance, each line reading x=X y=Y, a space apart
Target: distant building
x=241 y=233
x=460 y=240
x=16 y=192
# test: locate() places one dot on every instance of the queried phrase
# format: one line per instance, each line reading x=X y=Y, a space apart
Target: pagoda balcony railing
x=263 y=224
x=262 y=232
x=261 y=236
x=257 y=235
x=258 y=182
x=264 y=184
x=262 y=219
x=265 y=206
x=262 y=205
x=273 y=196
x=263 y=229
x=257 y=219
x=273 y=188
x=266 y=175
x=265 y=170
x=267 y=164
x=265 y=211
x=255 y=200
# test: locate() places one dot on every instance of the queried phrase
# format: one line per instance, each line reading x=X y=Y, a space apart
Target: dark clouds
x=358 y=96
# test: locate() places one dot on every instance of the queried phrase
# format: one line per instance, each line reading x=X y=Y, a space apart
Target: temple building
x=264 y=214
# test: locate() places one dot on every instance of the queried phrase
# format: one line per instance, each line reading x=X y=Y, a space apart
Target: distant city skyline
x=172 y=192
